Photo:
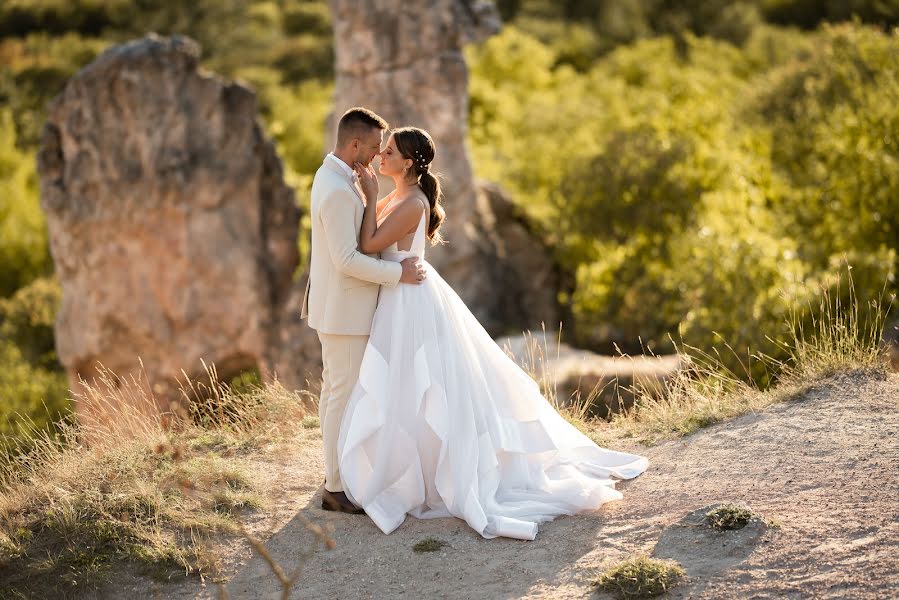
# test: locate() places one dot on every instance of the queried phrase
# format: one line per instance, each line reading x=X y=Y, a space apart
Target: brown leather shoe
x=337 y=501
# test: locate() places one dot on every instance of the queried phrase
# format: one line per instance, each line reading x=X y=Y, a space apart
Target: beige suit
x=341 y=297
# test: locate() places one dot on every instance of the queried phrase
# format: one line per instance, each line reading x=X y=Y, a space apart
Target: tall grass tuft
x=842 y=334
x=837 y=335
x=141 y=486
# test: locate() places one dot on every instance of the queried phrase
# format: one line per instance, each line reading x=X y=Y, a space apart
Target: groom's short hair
x=357 y=122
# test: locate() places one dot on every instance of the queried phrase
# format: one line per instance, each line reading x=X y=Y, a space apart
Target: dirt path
x=824 y=468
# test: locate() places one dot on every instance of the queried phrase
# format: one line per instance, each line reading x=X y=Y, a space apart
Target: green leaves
x=706 y=196
x=24 y=253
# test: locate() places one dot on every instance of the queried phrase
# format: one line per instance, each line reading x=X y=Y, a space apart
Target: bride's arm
x=374 y=238
x=383 y=202
x=401 y=220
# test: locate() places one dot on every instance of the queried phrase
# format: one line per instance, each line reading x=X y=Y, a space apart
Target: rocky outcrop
x=608 y=383
x=405 y=62
x=173 y=233
x=514 y=285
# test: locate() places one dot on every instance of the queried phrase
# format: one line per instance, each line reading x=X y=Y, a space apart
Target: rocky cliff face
x=404 y=61
x=173 y=233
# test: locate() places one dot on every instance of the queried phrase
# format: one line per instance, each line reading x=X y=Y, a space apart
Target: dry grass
x=158 y=491
x=149 y=490
x=836 y=337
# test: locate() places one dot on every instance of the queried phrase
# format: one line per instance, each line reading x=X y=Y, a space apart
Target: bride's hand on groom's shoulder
x=368 y=180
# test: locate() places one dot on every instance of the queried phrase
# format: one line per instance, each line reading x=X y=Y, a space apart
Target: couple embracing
x=421 y=412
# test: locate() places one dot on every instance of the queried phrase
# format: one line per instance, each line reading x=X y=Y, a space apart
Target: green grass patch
x=310 y=422
x=728 y=517
x=429 y=544
x=640 y=577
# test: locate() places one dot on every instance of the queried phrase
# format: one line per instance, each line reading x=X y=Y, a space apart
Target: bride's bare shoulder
x=406 y=207
x=419 y=196
x=415 y=198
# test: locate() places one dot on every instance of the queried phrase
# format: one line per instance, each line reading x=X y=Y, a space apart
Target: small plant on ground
x=640 y=577
x=728 y=516
x=429 y=544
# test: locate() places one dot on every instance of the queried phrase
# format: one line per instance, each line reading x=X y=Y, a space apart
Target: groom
x=343 y=285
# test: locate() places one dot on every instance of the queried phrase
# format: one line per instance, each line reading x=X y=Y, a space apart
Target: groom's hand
x=413 y=271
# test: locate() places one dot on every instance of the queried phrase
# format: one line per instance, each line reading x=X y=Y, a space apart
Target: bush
x=691 y=199
x=640 y=577
x=26 y=319
x=305 y=57
x=90 y=17
x=24 y=251
x=836 y=142
x=36 y=69
x=809 y=13
x=32 y=397
x=308 y=18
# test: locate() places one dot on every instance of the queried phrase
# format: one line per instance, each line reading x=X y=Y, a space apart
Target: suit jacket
x=342 y=291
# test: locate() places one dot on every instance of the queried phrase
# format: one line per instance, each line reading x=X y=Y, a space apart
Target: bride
x=441 y=422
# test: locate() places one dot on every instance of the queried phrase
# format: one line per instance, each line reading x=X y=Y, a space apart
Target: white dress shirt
x=346 y=168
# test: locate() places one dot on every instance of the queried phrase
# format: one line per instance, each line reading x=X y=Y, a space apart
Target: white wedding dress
x=443 y=423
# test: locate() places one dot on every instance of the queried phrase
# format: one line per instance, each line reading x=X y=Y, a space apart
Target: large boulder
x=404 y=61
x=173 y=233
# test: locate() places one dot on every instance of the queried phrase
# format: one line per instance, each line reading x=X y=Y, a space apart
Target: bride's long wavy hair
x=416 y=144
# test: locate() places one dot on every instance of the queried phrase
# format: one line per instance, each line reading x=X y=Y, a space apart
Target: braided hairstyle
x=416 y=144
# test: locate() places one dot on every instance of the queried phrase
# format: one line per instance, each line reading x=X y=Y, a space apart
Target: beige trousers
x=341 y=359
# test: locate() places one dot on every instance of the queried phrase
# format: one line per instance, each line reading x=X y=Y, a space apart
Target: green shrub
x=307 y=18
x=689 y=196
x=305 y=57
x=29 y=396
x=24 y=251
x=26 y=319
x=92 y=17
x=728 y=517
x=640 y=577
x=836 y=142
x=809 y=13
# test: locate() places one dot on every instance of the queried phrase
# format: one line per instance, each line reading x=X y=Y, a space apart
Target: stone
x=172 y=231
x=570 y=375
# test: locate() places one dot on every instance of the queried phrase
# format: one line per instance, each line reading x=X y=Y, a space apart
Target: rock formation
x=173 y=233
x=175 y=237
x=405 y=62
x=609 y=383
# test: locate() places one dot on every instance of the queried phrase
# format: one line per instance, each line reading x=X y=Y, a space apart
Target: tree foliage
x=706 y=195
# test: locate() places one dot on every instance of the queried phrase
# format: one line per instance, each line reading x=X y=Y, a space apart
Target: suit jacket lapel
x=358 y=192
x=336 y=168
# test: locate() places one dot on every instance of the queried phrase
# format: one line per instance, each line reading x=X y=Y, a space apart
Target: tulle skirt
x=443 y=423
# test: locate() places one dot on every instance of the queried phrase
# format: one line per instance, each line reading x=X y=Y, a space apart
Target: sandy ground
x=822 y=470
